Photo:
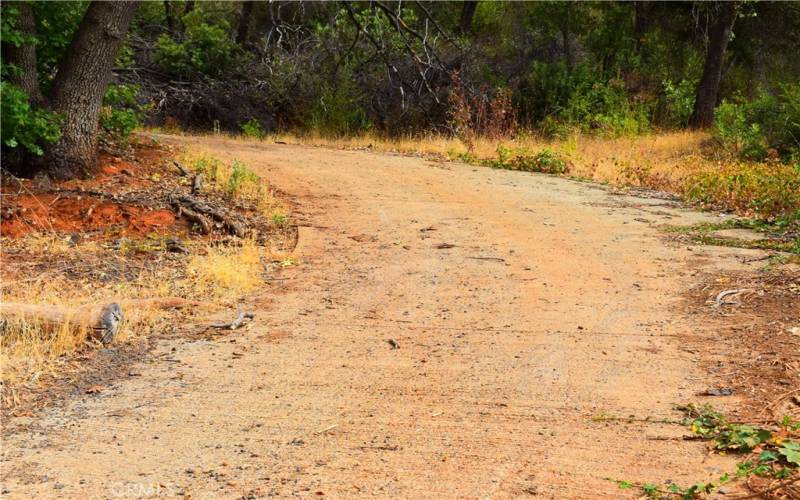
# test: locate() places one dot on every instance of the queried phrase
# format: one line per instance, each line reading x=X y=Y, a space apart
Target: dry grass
x=684 y=163
x=223 y=271
x=234 y=179
x=29 y=350
x=625 y=161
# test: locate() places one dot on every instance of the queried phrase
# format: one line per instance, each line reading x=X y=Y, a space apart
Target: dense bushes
x=25 y=126
x=764 y=190
x=768 y=127
x=205 y=49
x=121 y=112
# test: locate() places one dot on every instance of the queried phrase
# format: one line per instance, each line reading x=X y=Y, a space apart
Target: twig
x=720 y=299
x=779 y=399
x=180 y=168
x=239 y=321
x=326 y=429
x=497 y=259
x=762 y=493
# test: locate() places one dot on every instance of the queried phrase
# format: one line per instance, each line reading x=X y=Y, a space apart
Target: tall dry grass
x=28 y=350
x=685 y=163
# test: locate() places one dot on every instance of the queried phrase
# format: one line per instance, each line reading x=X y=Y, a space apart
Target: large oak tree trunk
x=80 y=83
x=24 y=56
x=708 y=88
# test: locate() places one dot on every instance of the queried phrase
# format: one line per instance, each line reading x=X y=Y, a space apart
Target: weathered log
x=200 y=220
x=233 y=226
x=180 y=168
x=101 y=322
x=197 y=183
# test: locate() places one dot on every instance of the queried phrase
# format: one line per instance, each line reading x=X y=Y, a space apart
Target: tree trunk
x=169 y=17
x=24 y=56
x=244 y=22
x=565 y=30
x=467 y=14
x=641 y=23
x=708 y=88
x=81 y=81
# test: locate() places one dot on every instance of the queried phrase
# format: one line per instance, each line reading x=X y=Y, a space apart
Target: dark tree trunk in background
x=244 y=22
x=168 y=16
x=24 y=56
x=467 y=14
x=80 y=83
x=565 y=30
x=641 y=23
x=708 y=88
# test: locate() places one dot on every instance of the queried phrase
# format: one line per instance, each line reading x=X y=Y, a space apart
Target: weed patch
x=769 y=452
x=782 y=234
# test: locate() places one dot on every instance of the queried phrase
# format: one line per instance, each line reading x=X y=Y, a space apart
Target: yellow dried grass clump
x=224 y=270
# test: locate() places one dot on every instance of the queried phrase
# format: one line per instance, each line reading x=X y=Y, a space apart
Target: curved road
x=520 y=308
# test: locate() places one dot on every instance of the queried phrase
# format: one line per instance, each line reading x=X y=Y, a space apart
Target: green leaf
x=791 y=452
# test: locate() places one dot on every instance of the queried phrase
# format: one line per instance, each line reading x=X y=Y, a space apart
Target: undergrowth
x=235 y=180
x=781 y=234
x=768 y=452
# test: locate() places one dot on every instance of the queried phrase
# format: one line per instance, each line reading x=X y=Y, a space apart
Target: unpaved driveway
x=556 y=303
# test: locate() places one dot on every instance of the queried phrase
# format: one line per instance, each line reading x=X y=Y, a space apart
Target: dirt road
x=451 y=331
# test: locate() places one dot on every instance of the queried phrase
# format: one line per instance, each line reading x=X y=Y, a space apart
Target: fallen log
x=101 y=322
x=232 y=225
x=202 y=222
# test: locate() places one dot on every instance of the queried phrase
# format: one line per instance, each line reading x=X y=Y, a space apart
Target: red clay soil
x=47 y=212
x=76 y=207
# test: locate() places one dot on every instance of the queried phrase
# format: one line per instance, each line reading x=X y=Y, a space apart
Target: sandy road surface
x=555 y=304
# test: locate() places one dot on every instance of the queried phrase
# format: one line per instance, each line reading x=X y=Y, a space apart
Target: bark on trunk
x=708 y=88
x=467 y=14
x=168 y=16
x=24 y=56
x=80 y=83
x=244 y=22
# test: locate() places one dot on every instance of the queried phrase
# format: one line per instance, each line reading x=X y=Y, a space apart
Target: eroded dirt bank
x=450 y=331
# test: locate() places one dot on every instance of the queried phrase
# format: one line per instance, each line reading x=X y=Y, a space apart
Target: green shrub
x=340 y=110
x=121 y=112
x=240 y=175
x=206 y=49
x=766 y=127
x=765 y=190
x=24 y=125
x=253 y=129
x=545 y=161
x=563 y=100
x=678 y=102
